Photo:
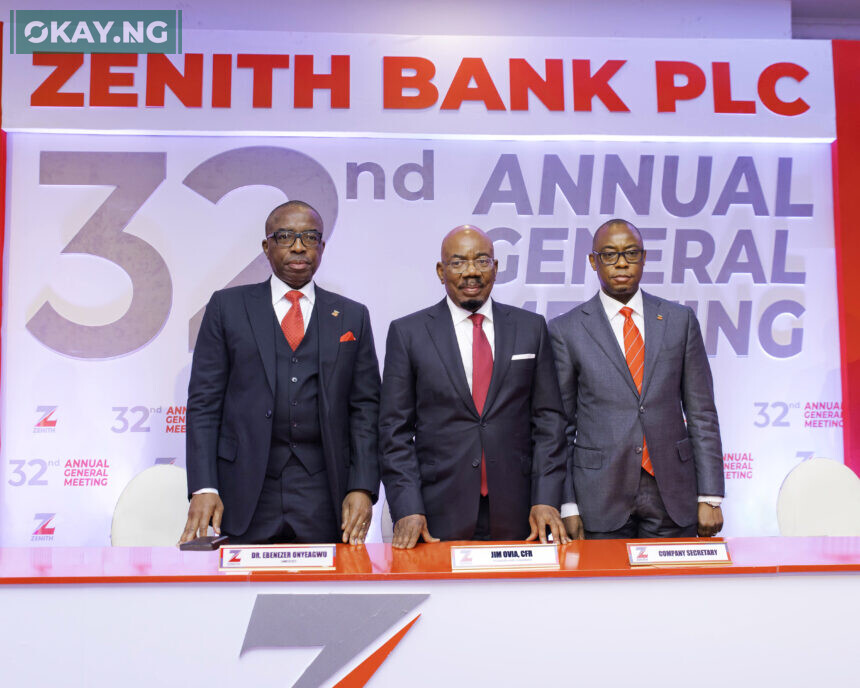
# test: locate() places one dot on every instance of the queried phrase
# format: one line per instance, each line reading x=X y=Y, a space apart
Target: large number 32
x=135 y=177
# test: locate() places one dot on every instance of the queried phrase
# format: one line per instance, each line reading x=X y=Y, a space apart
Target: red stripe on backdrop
x=2 y=181
x=846 y=218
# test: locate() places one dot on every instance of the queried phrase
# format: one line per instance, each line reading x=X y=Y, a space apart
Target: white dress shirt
x=281 y=306
x=616 y=322
x=463 y=330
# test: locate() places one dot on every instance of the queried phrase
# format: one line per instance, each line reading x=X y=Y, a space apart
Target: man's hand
x=710 y=520
x=573 y=526
x=356 y=512
x=204 y=508
x=543 y=515
x=408 y=529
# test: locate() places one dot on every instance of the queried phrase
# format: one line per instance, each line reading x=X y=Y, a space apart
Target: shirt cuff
x=206 y=490
x=569 y=509
x=714 y=501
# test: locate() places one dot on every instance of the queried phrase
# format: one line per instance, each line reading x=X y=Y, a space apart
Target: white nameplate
x=293 y=557
x=678 y=553
x=504 y=557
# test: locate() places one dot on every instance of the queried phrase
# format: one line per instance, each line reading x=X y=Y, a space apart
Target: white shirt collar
x=279 y=289
x=612 y=306
x=458 y=314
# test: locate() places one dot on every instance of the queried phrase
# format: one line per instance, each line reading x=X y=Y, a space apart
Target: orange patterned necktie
x=293 y=325
x=634 y=352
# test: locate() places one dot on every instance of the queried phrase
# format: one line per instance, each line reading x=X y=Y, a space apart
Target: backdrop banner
x=719 y=150
x=116 y=243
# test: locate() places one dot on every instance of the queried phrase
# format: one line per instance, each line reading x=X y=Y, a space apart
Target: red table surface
x=597 y=558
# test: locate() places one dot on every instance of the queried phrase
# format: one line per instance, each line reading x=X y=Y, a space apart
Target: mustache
x=472 y=282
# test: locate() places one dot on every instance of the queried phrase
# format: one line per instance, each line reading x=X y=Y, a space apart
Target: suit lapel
x=258 y=303
x=330 y=331
x=654 y=329
x=504 y=335
x=597 y=325
x=441 y=330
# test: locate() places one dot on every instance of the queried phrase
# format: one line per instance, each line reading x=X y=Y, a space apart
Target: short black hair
x=289 y=205
x=615 y=221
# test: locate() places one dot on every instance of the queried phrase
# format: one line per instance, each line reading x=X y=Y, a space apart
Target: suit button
x=295 y=425
x=294 y=359
x=294 y=379
x=293 y=445
x=483 y=424
x=641 y=409
x=269 y=413
x=638 y=450
x=476 y=463
x=294 y=403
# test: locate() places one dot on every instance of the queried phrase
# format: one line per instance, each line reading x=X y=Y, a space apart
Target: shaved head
x=601 y=232
x=618 y=258
x=295 y=264
x=467 y=231
x=468 y=267
x=288 y=206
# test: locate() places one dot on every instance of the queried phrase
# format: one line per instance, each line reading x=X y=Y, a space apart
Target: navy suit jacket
x=431 y=435
x=607 y=418
x=231 y=398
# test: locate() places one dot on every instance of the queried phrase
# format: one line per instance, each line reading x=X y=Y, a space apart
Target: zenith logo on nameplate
x=693 y=553
x=273 y=557
x=345 y=626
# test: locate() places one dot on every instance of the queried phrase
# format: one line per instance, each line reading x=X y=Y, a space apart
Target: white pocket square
x=521 y=357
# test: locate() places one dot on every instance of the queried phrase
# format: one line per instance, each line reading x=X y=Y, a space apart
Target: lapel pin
x=659 y=317
x=335 y=313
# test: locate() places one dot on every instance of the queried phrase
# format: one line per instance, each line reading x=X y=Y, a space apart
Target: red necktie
x=634 y=352
x=482 y=371
x=293 y=325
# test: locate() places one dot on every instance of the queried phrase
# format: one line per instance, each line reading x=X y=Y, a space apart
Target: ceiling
x=825 y=19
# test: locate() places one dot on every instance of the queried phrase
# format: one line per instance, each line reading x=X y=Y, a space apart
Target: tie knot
x=477 y=319
x=627 y=312
x=293 y=296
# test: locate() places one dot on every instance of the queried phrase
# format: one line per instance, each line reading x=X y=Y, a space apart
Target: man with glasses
x=283 y=402
x=471 y=426
x=645 y=459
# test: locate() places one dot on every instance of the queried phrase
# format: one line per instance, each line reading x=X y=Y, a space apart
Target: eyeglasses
x=459 y=266
x=310 y=238
x=632 y=255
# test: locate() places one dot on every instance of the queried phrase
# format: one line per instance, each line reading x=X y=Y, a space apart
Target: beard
x=471 y=304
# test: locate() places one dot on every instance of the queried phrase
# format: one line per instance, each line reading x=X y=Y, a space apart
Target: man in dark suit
x=471 y=424
x=632 y=368
x=283 y=402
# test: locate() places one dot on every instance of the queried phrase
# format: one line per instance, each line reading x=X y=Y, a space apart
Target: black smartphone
x=204 y=544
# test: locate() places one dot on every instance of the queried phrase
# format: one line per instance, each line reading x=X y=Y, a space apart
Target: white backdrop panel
x=743 y=232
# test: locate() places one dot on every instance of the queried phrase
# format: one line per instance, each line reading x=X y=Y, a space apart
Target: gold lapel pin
x=335 y=313
x=659 y=317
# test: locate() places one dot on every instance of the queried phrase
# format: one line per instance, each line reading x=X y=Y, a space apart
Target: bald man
x=645 y=459
x=471 y=426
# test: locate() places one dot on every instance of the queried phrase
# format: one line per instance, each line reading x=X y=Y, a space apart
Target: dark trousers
x=648 y=519
x=295 y=507
x=482 y=527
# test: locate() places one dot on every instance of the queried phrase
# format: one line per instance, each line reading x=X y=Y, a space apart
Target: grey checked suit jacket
x=607 y=418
